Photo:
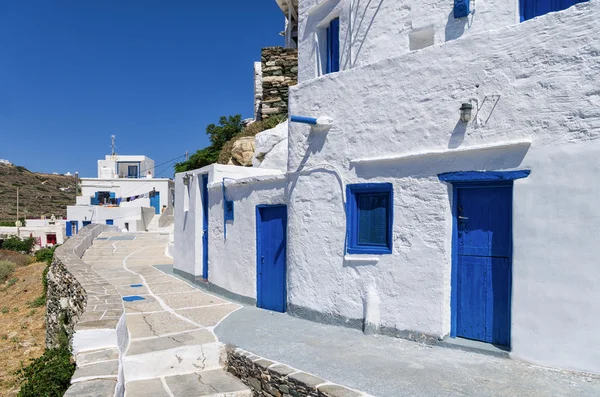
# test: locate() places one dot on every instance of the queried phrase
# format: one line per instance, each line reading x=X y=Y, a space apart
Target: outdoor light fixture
x=465 y=112
x=187 y=178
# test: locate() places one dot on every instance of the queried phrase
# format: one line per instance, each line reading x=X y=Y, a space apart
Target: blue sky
x=154 y=73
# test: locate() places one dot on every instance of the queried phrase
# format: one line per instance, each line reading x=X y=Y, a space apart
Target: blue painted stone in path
x=133 y=298
x=136 y=285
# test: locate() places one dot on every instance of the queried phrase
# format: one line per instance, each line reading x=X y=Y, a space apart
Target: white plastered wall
x=138 y=218
x=188 y=253
x=232 y=260
x=371 y=31
x=535 y=86
x=123 y=187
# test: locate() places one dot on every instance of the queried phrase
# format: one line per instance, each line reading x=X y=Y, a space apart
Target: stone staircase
x=153 y=225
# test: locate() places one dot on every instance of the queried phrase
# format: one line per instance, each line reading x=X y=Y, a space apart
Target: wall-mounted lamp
x=187 y=178
x=465 y=112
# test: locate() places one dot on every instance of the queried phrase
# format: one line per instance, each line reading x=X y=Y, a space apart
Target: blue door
x=155 y=201
x=109 y=222
x=85 y=223
x=271 y=226
x=482 y=269
x=69 y=228
x=205 y=226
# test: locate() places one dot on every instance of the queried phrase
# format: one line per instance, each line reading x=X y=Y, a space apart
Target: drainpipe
x=224 y=206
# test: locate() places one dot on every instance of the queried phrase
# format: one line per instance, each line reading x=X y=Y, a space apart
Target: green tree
x=218 y=135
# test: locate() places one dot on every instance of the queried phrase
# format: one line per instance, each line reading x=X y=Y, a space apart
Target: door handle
x=262 y=260
x=463 y=217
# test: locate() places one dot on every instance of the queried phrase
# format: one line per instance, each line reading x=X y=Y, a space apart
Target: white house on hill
x=441 y=180
x=125 y=194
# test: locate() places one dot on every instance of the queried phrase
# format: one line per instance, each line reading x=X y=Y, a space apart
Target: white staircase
x=153 y=225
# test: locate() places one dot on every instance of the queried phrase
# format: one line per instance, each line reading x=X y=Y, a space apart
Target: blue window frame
x=370 y=218
x=333 y=46
x=533 y=8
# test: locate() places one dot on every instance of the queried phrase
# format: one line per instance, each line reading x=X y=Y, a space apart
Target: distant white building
x=46 y=232
x=441 y=181
x=5 y=162
x=124 y=194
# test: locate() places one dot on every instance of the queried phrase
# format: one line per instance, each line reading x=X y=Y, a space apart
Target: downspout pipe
x=303 y=120
x=224 y=206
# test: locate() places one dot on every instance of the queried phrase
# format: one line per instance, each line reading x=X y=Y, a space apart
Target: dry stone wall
x=269 y=379
x=279 y=67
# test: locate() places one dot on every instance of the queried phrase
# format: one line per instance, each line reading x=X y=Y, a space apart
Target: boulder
x=243 y=151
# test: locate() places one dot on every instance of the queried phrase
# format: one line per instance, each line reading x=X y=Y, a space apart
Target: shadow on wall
x=353 y=33
x=458 y=135
x=455 y=27
x=431 y=164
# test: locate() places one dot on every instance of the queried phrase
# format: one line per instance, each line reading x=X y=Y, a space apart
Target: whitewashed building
x=441 y=180
x=125 y=194
x=46 y=232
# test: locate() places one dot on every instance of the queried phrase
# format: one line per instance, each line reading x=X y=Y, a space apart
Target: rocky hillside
x=39 y=194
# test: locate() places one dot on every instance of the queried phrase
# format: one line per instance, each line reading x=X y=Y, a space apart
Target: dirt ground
x=22 y=328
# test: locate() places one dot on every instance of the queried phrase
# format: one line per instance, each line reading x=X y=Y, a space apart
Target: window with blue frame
x=333 y=46
x=132 y=171
x=370 y=218
x=534 y=8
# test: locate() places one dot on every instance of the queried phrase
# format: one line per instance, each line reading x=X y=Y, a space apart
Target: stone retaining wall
x=270 y=379
x=279 y=67
x=88 y=310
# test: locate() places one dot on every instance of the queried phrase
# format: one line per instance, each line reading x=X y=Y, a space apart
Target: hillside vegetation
x=39 y=194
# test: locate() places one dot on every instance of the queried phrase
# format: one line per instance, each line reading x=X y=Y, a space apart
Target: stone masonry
x=279 y=71
x=270 y=379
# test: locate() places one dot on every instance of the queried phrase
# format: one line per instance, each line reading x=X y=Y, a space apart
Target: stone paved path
x=172 y=349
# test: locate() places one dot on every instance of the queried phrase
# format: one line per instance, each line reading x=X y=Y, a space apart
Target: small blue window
x=228 y=210
x=333 y=46
x=370 y=218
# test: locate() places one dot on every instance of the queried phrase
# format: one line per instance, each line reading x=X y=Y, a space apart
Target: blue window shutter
x=369 y=218
x=372 y=219
x=534 y=8
x=333 y=46
x=95 y=200
x=68 y=227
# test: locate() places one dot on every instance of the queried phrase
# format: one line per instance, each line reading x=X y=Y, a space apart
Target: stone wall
x=66 y=298
x=279 y=71
x=269 y=379
x=88 y=310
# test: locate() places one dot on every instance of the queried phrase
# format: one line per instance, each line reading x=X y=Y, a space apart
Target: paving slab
x=93 y=388
x=192 y=299
x=209 y=316
x=98 y=355
x=198 y=337
x=156 y=324
x=146 y=388
x=206 y=383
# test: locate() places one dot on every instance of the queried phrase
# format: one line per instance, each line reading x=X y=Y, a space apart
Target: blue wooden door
x=110 y=222
x=271 y=226
x=205 y=226
x=69 y=228
x=483 y=263
x=155 y=201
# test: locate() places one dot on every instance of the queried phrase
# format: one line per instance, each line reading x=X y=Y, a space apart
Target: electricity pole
x=76 y=178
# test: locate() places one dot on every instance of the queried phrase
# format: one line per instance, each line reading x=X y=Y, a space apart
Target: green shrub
x=45 y=255
x=6 y=269
x=48 y=375
x=16 y=244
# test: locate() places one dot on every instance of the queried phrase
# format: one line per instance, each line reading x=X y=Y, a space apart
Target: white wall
x=232 y=261
x=138 y=218
x=37 y=228
x=371 y=31
x=544 y=73
x=188 y=246
x=107 y=168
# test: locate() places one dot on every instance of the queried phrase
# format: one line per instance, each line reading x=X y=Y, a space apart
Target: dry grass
x=22 y=329
x=39 y=194
x=15 y=257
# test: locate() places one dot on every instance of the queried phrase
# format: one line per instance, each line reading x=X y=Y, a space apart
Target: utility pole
x=76 y=184
x=17 y=203
x=187 y=157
